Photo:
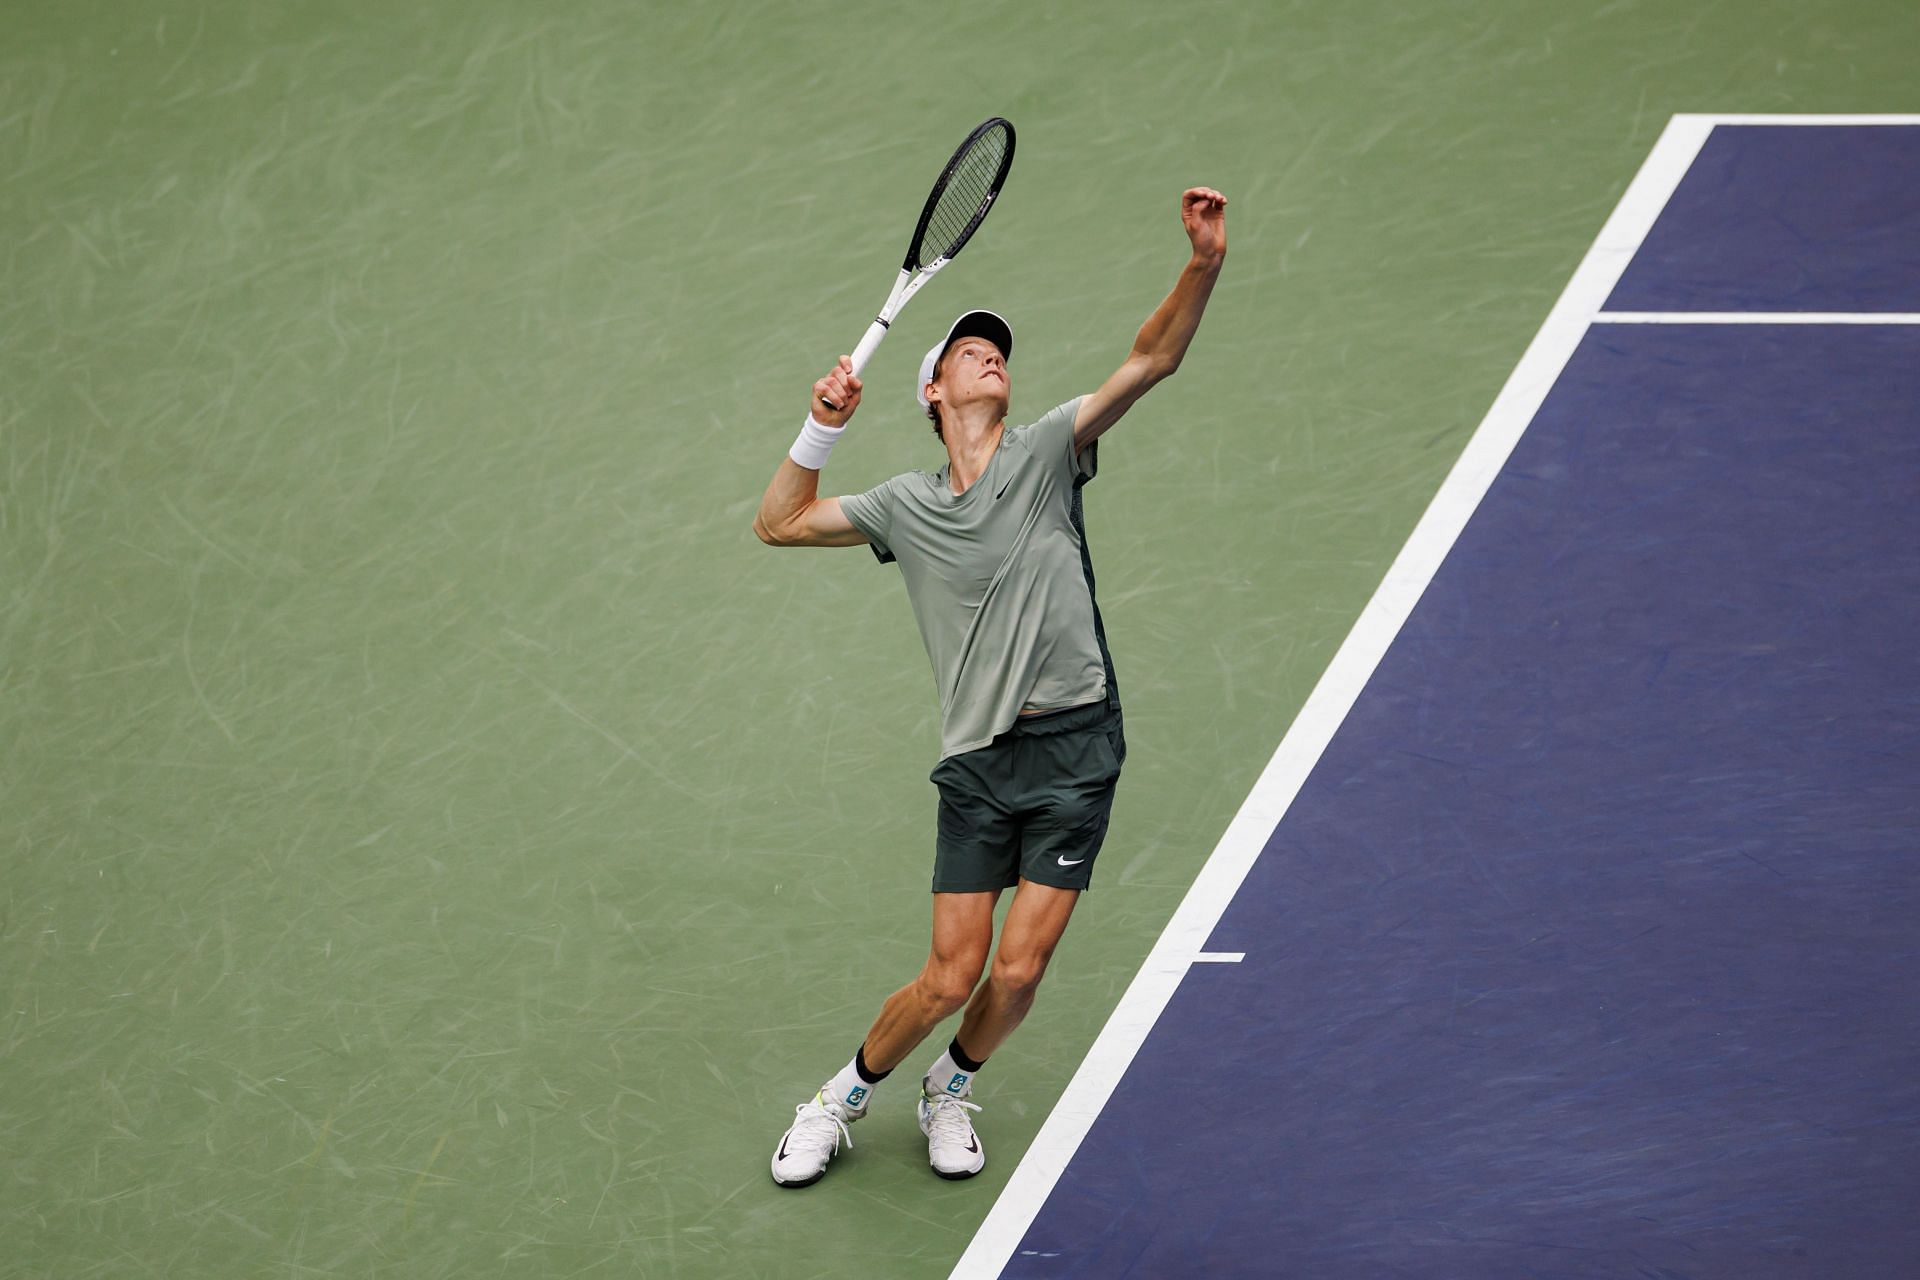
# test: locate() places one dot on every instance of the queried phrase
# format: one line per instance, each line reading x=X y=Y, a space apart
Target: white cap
x=973 y=324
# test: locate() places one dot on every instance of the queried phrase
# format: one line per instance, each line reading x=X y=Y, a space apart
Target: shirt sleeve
x=1053 y=440
x=872 y=514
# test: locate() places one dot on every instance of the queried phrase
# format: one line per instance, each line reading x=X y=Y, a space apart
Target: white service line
x=1798 y=121
x=1757 y=317
x=1219 y=879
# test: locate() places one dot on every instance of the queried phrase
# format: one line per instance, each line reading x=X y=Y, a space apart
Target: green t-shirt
x=999 y=579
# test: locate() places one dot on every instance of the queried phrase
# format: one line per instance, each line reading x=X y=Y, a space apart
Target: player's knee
x=1019 y=976
x=947 y=989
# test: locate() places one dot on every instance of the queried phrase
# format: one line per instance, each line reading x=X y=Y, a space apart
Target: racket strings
x=965 y=199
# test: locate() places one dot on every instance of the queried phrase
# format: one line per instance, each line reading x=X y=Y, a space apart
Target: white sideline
x=1186 y=934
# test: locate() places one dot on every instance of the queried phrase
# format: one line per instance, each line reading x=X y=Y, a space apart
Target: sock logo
x=856 y=1095
x=958 y=1084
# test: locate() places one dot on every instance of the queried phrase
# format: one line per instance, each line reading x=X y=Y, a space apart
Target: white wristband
x=814 y=443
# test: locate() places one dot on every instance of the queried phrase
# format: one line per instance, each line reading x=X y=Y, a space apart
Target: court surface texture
x=1584 y=946
x=438 y=839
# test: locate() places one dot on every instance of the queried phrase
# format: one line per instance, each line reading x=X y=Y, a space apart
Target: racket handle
x=869 y=343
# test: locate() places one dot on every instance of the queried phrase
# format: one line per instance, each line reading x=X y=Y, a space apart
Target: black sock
x=960 y=1058
x=864 y=1071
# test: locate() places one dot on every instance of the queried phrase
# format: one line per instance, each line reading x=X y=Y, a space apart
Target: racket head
x=963 y=194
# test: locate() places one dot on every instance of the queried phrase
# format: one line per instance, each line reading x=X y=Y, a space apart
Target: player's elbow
x=1155 y=367
x=767 y=533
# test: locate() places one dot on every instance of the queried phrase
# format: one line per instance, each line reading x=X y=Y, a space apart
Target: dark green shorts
x=1033 y=802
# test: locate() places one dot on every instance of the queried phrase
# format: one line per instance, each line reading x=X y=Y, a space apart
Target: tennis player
x=993 y=551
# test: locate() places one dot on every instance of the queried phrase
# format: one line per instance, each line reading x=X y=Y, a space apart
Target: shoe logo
x=1065 y=863
x=856 y=1095
x=958 y=1084
x=973 y=1144
x=783 y=1143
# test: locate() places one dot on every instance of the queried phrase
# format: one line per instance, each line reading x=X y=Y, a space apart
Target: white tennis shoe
x=814 y=1139
x=953 y=1148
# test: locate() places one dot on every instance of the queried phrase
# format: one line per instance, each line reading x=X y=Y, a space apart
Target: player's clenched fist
x=836 y=396
x=1203 y=211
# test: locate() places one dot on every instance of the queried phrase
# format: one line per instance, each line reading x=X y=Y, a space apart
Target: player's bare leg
x=962 y=938
x=1035 y=921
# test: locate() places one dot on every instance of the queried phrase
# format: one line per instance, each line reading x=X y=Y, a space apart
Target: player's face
x=974 y=370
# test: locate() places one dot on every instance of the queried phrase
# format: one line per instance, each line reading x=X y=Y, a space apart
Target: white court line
x=1219 y=957
x=1219 y=879
x=1758 y=317
x=1799 y=120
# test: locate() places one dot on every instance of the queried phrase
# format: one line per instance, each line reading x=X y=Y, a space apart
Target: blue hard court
x=1588 y=948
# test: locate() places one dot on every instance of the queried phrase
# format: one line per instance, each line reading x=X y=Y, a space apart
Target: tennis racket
x=958 y=204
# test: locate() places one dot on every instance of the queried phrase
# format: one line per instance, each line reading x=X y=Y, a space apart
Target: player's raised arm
x=1162 y=341
x=792 y=512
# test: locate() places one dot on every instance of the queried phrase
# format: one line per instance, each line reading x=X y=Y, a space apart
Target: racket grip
x=869 y=343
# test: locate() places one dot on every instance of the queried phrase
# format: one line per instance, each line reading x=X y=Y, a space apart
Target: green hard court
x=436 y=837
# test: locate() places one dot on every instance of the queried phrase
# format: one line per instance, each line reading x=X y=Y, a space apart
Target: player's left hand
x=1203 y=211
